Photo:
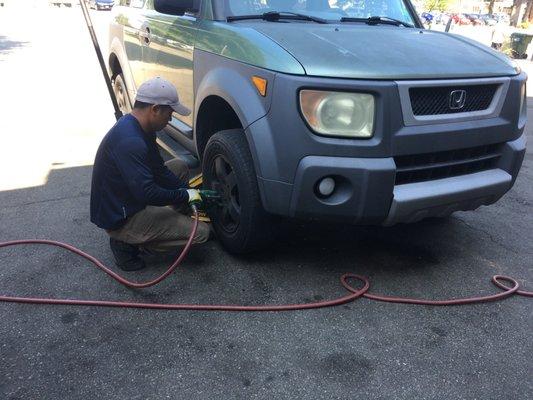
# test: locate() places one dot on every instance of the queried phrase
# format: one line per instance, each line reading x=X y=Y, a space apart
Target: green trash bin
x=519 y=43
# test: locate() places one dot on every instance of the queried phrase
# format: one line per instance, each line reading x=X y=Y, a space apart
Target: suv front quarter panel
x=232 y=81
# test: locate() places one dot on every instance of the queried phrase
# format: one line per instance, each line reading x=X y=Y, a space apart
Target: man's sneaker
x=126 y=255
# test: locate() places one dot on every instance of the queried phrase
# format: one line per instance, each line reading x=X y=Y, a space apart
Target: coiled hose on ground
x=353 y=292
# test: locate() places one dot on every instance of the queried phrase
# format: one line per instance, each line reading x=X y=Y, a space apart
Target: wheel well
x=214 y=115
x=114 y=65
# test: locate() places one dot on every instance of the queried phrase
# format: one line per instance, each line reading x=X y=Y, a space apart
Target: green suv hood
x=383 y=51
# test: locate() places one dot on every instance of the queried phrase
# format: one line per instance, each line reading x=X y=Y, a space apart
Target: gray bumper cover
x=366 y=193
x=415 y=201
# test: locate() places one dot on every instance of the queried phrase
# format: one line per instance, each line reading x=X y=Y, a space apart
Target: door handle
x=145 y=35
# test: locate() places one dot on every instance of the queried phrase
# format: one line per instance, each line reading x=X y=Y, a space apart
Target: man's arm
x=165 y=177
x=132 y=162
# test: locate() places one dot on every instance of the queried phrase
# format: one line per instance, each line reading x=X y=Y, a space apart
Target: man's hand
x=194 y=197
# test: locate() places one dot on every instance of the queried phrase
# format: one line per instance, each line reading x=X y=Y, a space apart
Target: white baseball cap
x=159 y=91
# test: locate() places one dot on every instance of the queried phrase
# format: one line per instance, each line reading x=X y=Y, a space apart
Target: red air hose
x=354 y=293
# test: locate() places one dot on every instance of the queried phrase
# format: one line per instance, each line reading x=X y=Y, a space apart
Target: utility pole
x=529 y=11
x=517 y=13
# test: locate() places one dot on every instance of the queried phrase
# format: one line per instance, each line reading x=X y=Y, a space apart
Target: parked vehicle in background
x=503 y=18
x=302 y=112
x=460 y=19
x=488 y=19
x=474 y=19
x=427 y=17
x=442 y=18
x=101 y=4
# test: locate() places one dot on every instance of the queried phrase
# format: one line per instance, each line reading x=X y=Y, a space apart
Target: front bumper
x=367 y=194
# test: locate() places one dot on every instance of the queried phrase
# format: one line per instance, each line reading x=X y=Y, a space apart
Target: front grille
x=436 y=100
x=444 y=164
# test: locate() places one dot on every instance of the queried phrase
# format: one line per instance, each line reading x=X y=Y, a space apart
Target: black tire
x=121 y=92
x=241 y=224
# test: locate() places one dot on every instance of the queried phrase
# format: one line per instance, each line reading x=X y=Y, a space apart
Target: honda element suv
x=325 y=109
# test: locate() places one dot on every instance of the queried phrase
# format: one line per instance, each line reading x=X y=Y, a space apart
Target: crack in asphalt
x=47 y=201
x=492 y=239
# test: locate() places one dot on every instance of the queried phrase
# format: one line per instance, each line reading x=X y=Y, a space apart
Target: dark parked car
x=101 y=4
x=301 y=111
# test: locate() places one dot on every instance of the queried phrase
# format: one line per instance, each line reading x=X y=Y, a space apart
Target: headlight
x=338 y=113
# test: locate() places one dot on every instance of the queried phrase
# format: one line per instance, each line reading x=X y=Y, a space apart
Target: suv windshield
x=326 y=9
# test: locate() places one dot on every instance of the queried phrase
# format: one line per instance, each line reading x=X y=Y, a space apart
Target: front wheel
x=241 y=223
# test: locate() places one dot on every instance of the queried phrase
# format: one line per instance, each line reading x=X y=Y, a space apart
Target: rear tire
x=121 y=92
x=241 y=224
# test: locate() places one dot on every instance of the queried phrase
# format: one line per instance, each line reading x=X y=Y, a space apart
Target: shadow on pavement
x=393 y=249
x=59 y=210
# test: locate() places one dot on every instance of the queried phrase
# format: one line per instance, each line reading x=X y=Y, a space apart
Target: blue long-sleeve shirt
x=129 y=174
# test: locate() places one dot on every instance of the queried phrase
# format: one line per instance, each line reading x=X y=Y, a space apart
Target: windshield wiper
x=276 y=16
x=378 y=20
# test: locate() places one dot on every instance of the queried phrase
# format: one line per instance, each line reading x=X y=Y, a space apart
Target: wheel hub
x=224 y=181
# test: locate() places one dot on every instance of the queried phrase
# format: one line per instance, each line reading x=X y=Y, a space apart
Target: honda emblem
x=457 y=99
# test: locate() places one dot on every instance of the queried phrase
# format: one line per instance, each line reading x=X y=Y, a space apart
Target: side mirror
x=176 y=7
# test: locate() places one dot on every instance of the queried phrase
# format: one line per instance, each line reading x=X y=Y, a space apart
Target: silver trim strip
x=415 y=201
x=494 y=109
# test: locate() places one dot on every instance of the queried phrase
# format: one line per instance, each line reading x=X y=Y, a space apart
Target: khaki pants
x=162 y=228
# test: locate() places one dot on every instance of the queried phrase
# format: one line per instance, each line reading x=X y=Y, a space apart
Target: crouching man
x=135 y=196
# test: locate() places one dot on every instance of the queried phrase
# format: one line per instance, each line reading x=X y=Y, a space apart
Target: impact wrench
x=354 y=293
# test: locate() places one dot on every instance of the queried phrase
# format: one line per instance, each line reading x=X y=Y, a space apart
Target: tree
x=440 y=5
x=491 y=6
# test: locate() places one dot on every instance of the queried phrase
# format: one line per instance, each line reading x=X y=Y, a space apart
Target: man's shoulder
x=127 y=125
x=126 y=135
x=126 y=128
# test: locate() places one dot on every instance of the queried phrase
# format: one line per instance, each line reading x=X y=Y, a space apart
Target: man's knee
x=179 y=168
x=203 y=233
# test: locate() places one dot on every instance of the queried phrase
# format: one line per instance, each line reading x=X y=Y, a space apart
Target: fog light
x=326 y=186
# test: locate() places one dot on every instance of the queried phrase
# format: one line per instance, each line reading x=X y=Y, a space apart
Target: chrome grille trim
x=494 y=110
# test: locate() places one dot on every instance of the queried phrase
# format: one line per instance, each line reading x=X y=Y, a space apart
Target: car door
x=132 y=18
x=169 y=54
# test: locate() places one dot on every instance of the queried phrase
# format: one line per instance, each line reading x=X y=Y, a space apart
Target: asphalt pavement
x=54 y=111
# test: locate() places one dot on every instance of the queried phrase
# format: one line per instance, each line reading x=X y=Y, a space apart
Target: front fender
x=232 y=81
